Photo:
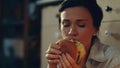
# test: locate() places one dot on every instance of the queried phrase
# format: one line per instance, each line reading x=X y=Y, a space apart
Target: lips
x=72 y=38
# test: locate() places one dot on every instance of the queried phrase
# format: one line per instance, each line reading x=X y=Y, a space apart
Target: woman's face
x=77 y=24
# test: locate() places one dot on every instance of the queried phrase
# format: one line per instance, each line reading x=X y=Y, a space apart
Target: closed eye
x=66 y=23
x=81 y=25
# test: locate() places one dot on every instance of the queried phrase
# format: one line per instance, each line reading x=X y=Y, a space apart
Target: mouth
x=72 y=39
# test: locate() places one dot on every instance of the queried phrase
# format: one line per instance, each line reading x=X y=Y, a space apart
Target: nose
x=73 y=31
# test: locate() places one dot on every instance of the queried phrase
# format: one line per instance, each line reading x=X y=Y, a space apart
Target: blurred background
x=19 y=34
x=28 y=26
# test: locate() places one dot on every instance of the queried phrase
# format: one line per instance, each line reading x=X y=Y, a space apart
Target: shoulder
x=107 y=50
x=103 y=56
x=106 y=56
x=111 y=54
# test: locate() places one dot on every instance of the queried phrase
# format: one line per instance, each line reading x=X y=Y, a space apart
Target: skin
x=76 y=24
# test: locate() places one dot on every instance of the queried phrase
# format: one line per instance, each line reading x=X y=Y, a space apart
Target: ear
x=95 y=32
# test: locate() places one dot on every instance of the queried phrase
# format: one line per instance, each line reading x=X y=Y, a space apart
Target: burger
x=74 y=48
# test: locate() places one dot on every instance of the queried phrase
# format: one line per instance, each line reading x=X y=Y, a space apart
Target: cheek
x=85 y=36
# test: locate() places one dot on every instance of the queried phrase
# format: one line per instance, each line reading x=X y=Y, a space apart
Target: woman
x=80 y=21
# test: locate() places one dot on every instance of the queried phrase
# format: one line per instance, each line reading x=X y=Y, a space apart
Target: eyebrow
x=62 y=22
x=82 y=19
x=78 y=20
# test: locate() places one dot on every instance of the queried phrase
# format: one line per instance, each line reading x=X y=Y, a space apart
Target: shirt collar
x=97 y=51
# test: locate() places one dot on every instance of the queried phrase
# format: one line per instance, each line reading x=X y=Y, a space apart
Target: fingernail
x=64 y=54
x=67 y=54
x=57 y=46
x=60 y=57
x=60 y=52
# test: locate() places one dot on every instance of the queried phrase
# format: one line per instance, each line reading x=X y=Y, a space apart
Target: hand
x=66 y=61
x=52 y=55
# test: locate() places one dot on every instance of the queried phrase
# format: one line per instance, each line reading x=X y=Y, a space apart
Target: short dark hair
x=91 y=5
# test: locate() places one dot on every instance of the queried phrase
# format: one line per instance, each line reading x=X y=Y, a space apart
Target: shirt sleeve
x=114 y=61
x=113 y=56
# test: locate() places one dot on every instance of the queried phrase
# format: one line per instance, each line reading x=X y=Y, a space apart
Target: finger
x=52 y=56
x=66 y=61
x=53 y=61
x=53 y=51
x=62 y=62
x=72 y=61
x=60 y=65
